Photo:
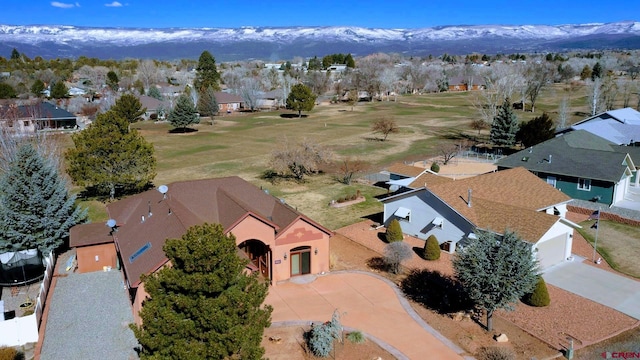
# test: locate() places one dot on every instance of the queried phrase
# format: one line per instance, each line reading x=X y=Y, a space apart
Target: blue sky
x=365 y=13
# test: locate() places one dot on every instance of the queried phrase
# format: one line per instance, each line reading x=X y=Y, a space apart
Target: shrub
x=354 y=197
x=394 y=231
x=395 y=253
x=356 y=337
x=435 y=167
x=153 y=116
x=8 y=353
x=358 y=194
x=496 y=353
x=540 y=295
x=431 y=248
x=320 y=338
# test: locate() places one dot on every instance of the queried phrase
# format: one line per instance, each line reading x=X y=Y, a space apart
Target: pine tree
x=155 y=93
x=7 y=91
x=129 y=107
x=113 y=80
x=36 y=210
x=15 y=54
x=394 y=231
x=496 y=271
x=504 y=126
x=204 y=306
x=37 y=88
x=300 y=99
x=207 y=73
x=183 y=113
x=59 y=90
x=349 y=61
x=107 y=156
x=537 y=130
x=207 y=103
x=540 y=295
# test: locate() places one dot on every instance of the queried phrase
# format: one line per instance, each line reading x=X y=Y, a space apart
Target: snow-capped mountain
x=286 y=42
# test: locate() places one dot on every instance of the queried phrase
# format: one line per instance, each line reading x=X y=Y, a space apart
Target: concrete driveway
x=604 y=287
x=366 y=302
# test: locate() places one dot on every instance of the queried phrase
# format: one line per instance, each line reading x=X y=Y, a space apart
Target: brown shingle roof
x=226 y=98
x=406 y=170
x=89 y=234
x=188 y=203
x=428 y=179
x=509 y=199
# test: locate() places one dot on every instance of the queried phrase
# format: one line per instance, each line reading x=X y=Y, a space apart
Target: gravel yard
x=588 y=322
x=89 y=319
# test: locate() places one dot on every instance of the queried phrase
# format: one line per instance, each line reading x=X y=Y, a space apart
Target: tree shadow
x=182 y=130
x=377 y=263
x=376 y=217
x=293 y=116
x=373 y=138
x=419 y=251
x=382 y=237
x=435 y=291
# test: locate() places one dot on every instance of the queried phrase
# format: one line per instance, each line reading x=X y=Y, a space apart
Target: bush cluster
x=431 y=248
x=356 y=337
x=349 y=197
x=435 y=167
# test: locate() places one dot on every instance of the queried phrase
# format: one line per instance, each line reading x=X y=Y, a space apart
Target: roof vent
x=549 y=158
x=469 y=198
x=163 y=190
x=142 y=219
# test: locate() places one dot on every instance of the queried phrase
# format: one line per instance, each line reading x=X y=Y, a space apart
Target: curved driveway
x=366 y=302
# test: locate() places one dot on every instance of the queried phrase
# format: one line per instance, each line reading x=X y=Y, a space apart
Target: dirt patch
x=532 y=332
x=287 y=343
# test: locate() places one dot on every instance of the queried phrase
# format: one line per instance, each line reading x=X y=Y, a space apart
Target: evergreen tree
x=112 y=80
x=301 y=99
x=59 y=90
x=537 y=130
x=129 y=107
x=350 y=62
x=394 y=231
x=204 y=306
x=540 y=295
x=207 y=73
x=207 y=103
x=37 y=88
x=7 y=91
x=15 y=54
x=155 y=93
x=597 y=71
x=36 y=210
x=431 y=248
x=585 y=73
x=496 y=271
x=504 y=126
x=183 y=113
x=108 y=156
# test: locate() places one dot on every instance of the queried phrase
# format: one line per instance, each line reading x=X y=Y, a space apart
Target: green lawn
x=241 y=145
x=617 y=244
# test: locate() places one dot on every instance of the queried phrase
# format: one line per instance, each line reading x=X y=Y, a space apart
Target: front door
x=301 y=261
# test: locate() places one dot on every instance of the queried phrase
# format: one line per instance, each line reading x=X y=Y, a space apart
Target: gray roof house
x=621 y=126
x=36 y=116
x=580 y=164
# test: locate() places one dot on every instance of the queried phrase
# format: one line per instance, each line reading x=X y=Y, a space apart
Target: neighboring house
x=465 y=83
x=273 y=99
x=228 y=103
x=580 y=164
x=37 y=116
x=153 y=106
x=337 y=67
x=76 y=91
x=279 y=241
x=95 y=249
x=513 y=200
x=621 y=126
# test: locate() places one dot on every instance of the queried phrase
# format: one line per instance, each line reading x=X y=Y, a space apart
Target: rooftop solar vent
x=140 y=251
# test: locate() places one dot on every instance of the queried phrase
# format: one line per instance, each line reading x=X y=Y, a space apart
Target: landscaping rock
x=502 y=338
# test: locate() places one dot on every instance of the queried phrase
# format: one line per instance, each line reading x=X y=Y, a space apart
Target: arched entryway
x=300 y=260
x=260 y=256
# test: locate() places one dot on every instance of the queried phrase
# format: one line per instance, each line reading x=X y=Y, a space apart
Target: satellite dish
x=394 y=188
x=163 y=189
x=111 y=223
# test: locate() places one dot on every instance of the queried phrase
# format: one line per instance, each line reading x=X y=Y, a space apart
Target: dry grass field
x=618 y=244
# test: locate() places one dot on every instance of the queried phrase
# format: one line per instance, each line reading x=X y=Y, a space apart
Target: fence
x=22 y=330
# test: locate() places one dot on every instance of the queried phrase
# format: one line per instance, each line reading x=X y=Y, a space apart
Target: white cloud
x=113 y=4
x=77 y=4
x=63 y=5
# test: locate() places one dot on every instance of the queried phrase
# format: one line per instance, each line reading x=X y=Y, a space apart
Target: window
x=584 y=184
x=551 y=180
x=26 y=123
x=403 y=214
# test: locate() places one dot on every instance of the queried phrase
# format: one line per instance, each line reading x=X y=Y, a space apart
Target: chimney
x=149 y=204
x=469 y=198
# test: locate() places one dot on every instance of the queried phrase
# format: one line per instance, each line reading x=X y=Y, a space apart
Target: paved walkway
x=366 y=302
x=604 y=287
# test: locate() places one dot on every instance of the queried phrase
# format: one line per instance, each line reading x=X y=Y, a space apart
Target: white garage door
x=551 y=252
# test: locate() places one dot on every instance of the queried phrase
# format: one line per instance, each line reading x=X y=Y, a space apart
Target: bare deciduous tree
x=299 y=159
x=250 y=90
x=385 y=126
x=148 y=73
x=448 y=151
x=349 y=167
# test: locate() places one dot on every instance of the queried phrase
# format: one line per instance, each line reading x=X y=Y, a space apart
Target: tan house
x=279 y=241
x=228 y=103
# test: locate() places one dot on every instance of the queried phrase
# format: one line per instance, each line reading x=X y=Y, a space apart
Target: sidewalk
x=365 y=302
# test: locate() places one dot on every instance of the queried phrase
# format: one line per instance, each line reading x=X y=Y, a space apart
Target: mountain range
x=281 y=43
